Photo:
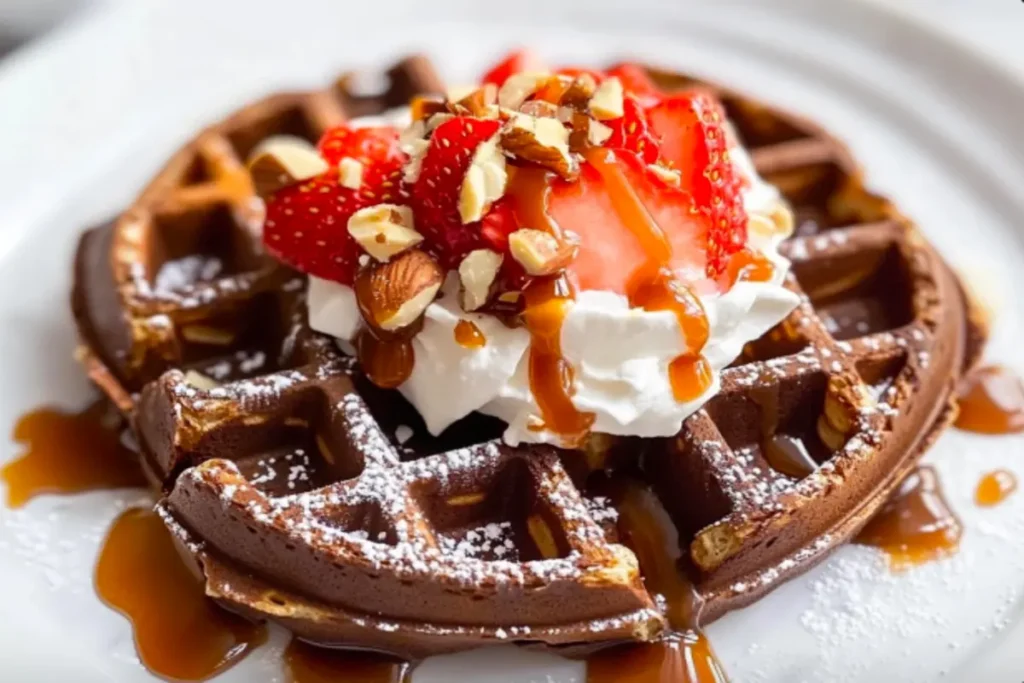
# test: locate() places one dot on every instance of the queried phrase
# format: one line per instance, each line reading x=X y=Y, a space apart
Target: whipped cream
x=620 y=355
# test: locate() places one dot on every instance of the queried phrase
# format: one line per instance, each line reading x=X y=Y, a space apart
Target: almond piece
x=384 y=230
x=392 y=296
x=538 y=252
x=350 y=173
x=422 y=107
x=484 y=182
x=478 y=273
x=586 y=132
x=278 y=162
x=518 y=87
x=540 y=109
x=477 y=101
x=417 y=151
x=669 y=176
x=199 y=380
x=607 y=100
x=578 y=95
x=541 y=141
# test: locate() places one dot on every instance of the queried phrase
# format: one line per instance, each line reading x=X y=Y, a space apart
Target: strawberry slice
x=621 y=214
x=637 y=83
x=367 y=145
x=632 y=132
x=307 y=222
x=435 y=196
x=516 y=62
x=694 y=140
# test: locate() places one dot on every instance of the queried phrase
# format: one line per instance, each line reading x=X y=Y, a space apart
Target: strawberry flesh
x=632 y=133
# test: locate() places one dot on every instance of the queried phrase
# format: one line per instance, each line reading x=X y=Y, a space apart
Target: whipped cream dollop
x=620 y=355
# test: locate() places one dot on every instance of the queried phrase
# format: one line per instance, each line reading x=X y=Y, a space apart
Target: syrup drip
x=916 y=525
x=684 y=656
x=995 y=487
x=749 y=266
x=991 y=402
x=179 y=632
x=469 y=336
x=387 y=363
x=305 y=663
x=68 y=453
x=551 y=375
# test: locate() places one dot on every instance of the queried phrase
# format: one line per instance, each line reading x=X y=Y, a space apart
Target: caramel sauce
x=68 y=453
x=684 y=656
x=305 y=663
x=991 y=402
x=680 y=658
x=528 y=189
x=551 y=375
x=995 y=487
x=749 y=266
x=179 y=632
x=468 y=335
x=916 y=525
x=387 y=363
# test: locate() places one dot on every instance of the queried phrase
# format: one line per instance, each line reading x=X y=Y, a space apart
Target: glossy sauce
x=995 y=487
x=387 y=363
x=551 y=375
x=68 y=453
x=991 y=402
x=469 y=336
x=179 y=632
x=916 y=525
x=684 y=656
x=305 y=663
x=747 y=265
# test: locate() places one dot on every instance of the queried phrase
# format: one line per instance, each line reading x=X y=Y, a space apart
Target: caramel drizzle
x=991 y=402
x=468 y=335
x=995 y=487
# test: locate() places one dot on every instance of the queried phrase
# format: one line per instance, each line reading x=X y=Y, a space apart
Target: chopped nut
x=199 y=380
x=416 y=151
x=350 y=172
x=478 y=101
x=578 y=95
x=540 y=108
x=669 y=176
x=204 y=334
x=478 y=273
x=392 y=296
x=541 y=141
x=424 y=106
x=384 y=230
x=278 y=162
x=607 y=100
x=518 y=87
x=484 y=182
x=587 y=132
x=538 y=252
x=413 y=134
x=456 y=93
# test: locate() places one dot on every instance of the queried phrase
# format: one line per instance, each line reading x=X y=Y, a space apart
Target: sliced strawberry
x=637 y=83
x=516 y=62
x=307 y=223
x=367 y=145
x=435 y=196
x=632 y=133
x=622 y=214
x=694 y=140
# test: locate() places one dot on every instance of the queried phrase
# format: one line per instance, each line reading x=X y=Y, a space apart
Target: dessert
x=476 y=461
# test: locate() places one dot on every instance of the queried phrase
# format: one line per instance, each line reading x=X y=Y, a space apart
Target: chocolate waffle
x=309 y=496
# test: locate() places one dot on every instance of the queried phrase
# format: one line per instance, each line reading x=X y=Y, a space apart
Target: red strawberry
x=632 y=133
x=516 y=62
x=435 y=196
x=574 y=71
x=694 y=140
x=637 y=83
x=367 y=145
x=307 y=223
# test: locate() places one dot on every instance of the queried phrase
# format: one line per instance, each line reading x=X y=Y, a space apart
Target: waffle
x=309 y=496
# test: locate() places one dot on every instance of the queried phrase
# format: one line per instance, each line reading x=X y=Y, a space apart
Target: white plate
x=87 y=115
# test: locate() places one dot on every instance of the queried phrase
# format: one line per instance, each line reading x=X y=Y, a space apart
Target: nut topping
x=518 y=88
x=384 y=230
x=350 y=173
x=478 y=273
x=283 y=160
x=538 y=252
x=587 y=132
x=669 y=176
x=542 y=141
x=484 y=182
x=607 y=100
x=478 y=101
x=579 y=93
x=392 y=296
